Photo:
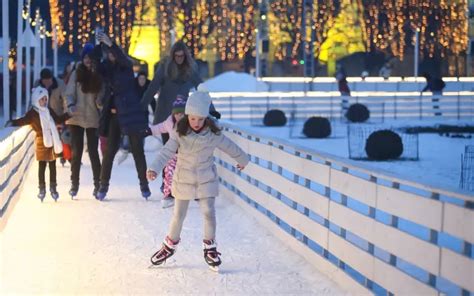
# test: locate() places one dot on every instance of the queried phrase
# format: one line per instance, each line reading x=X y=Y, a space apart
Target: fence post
x=395 y=105
x=459 y=106
x=420 y=107
x=230 y=106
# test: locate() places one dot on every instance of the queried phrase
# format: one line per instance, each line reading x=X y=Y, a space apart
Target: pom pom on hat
x=179 y=105
x=202 y=88
x=199 y=102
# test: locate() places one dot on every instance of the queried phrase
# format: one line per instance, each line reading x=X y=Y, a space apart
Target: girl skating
x=195 y=139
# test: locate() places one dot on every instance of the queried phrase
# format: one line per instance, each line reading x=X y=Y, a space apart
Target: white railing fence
x=397 y=84
x=16 y=153
x=410 y=105
x=367 y=230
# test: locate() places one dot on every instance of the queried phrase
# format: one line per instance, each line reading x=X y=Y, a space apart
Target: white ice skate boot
x=167 y=202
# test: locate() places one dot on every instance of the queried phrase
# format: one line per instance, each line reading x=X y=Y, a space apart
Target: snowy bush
x=317 y=127
x=383 y=145
x=274 y=117
x=358 y=113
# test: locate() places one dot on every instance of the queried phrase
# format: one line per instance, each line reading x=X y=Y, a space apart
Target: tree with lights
x=345 y=36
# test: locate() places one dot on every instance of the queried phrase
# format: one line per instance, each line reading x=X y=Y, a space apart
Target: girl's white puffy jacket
x=196 y=174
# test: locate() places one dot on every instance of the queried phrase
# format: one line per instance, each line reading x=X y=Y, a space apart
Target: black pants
x=77 y=145
x=52 y=173
x=113 y=144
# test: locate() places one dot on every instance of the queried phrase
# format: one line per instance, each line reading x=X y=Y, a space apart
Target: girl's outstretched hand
x=240 y=167
x=151 y=175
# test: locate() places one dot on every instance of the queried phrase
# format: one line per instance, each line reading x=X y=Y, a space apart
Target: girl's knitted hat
x=179 y=105
x=36 y=94
x=199 y=102
x=87 y=50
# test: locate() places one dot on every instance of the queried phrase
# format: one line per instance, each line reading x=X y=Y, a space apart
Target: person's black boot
x=102 y=193
x=73 y=191
x=42 y=192
x=54 y=192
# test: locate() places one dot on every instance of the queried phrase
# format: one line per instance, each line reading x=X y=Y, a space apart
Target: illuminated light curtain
x=78 y=20
x=390 y=25
x=223 y=28
x=284 y=23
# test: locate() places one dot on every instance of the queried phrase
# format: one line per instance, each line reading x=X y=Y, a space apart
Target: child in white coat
x=195 y=177
x=48 y=145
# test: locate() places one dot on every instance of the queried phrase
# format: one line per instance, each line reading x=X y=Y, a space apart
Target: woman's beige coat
x=87 y=105
x=196 y=174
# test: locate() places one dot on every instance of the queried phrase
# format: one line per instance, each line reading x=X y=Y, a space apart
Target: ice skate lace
x=163 y=253
x=212 y=253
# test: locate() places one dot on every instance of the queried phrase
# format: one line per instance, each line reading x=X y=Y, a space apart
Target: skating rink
x=84 y=246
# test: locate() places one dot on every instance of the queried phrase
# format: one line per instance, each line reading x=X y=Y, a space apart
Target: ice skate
x=42 y=193
x=123 y=155
x=167 y=202
x=167 y=250
x=211 y=256
x=96 y=189
x=102 y=193
x=146 y=193
x=54 y=192
x=73 y=191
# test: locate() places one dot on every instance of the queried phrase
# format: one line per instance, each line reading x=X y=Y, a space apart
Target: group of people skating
x=104 y=100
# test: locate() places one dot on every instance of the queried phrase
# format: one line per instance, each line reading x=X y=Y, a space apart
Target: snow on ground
x=439 y=161
x=88 y=247
x=235 y=81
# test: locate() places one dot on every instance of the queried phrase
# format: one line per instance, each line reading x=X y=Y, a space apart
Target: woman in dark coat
x=176 y=75
x=121 y=114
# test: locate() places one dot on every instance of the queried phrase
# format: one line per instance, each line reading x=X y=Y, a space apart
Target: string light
x=77 y=26
x=210 y=27
x=392 y=24
x=224 y=28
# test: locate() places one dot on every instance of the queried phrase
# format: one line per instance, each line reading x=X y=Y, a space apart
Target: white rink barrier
x=368 y=230
x=16 y=153
x=384 y=105
x=394 y=84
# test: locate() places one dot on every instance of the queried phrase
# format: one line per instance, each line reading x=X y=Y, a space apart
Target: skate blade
x=162 y=265
x=214 y=268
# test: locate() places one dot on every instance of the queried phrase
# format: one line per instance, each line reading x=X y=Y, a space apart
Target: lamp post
x=257 y=54
x=5 y=54
x=30 y=42
x=19 y=57
x=43 y=43
x=37 y=49
x=55 y=51
x=417 y=49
